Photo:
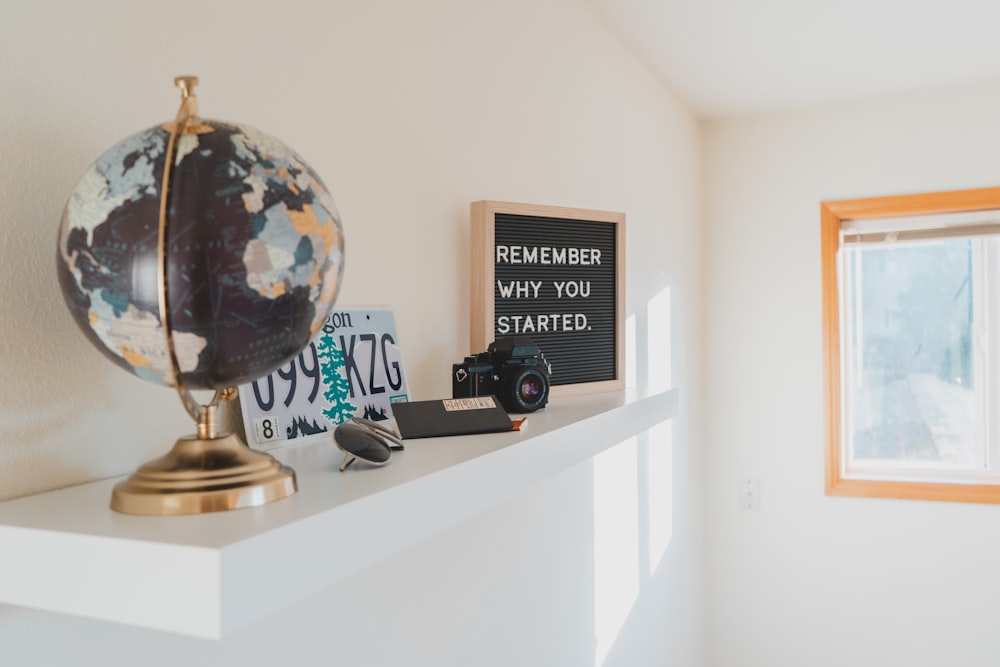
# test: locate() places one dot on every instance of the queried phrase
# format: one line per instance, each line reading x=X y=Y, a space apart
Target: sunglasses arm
x=395 y=442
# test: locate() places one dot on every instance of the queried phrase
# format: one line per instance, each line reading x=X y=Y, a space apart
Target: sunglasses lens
x=359 y=442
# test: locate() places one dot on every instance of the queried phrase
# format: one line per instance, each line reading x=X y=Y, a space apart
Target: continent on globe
x=254 y=254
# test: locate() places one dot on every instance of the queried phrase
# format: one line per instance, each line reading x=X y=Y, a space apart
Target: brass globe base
x=204 y=475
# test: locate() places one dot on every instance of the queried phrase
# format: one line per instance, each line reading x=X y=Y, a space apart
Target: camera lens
x=530 y=389
x=525 y=390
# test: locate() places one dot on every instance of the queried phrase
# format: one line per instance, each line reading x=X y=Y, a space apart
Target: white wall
x=812 y=580
x=409 y=111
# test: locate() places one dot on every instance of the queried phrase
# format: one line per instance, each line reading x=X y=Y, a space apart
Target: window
x=911 y=308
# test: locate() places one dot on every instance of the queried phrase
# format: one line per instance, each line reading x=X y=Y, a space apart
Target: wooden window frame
x=832 y=215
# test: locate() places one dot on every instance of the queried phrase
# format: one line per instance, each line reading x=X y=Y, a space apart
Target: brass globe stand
x=208 y=471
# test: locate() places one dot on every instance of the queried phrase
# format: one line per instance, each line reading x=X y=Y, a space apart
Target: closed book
x=451 y=416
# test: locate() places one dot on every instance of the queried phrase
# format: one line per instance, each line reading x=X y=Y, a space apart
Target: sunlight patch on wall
x=631 y=379
x=659 y=341
x=616 y=542
x=660 y=491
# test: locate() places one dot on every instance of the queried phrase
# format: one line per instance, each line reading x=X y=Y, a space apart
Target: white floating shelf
x=205 y=575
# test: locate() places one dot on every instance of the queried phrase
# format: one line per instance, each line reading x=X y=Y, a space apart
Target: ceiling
x=730 y=57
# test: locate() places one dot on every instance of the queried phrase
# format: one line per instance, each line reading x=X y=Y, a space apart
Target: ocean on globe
x=254 y=254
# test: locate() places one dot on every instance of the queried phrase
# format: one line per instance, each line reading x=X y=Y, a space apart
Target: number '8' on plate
x=267 y=428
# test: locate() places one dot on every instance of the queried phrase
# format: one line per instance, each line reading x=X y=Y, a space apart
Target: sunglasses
x=366 y=440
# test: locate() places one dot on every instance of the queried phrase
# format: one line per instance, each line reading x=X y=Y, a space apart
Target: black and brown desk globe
x=204 y=275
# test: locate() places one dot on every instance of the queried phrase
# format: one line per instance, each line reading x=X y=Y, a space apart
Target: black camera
x=513 y=369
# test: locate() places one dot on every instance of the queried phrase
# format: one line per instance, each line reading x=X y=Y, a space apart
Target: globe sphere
x=253 y=252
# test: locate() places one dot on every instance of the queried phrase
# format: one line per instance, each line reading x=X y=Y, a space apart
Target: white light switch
x=750 y=493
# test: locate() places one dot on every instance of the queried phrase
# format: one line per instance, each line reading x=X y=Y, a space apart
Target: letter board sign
x=555 y=275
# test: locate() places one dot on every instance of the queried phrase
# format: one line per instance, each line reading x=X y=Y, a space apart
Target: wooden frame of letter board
x=482 y=295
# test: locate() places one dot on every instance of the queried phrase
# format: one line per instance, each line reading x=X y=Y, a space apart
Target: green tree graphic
x=338 y=393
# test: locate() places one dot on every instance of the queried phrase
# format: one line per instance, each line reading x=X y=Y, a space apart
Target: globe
x=253 y=252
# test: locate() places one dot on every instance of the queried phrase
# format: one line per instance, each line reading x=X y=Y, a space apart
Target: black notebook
x=450 y=416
